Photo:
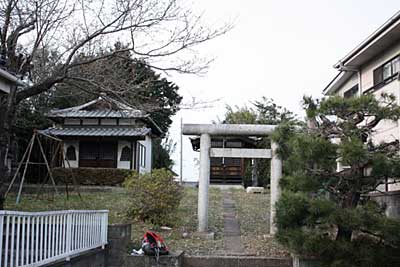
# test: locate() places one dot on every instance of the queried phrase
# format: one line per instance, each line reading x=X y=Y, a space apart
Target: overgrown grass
x=181 y=237
x=252 y=211
x=115 y=201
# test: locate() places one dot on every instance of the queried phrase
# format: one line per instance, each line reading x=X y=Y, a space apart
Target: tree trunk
x=344 y=233
x=351 y=202
x=7 y=118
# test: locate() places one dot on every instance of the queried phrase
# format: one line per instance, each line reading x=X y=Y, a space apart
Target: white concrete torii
x=206 y=131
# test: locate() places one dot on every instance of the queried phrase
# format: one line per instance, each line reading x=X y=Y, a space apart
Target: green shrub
x=92 y=176
x=155 y=196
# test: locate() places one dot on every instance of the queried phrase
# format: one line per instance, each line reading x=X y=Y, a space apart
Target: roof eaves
x=395 y=19
x=337 y=81
x=10 y=77
x=56 y=112
x=155 y=125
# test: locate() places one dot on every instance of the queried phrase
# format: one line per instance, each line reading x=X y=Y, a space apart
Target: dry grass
x=252 y=212
x=253 y=215
x=116 y=202
x=187 y=224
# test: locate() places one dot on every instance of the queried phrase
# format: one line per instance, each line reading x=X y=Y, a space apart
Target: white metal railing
x=39 y=238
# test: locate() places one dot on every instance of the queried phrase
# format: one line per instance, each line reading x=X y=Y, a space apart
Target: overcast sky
x=278 y=49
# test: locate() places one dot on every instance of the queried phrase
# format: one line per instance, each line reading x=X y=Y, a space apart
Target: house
x=373 y=68
x=105 y=133
x=7 y=80
x=226 y=170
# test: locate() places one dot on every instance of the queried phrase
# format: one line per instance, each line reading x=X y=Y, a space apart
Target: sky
x=277 y=49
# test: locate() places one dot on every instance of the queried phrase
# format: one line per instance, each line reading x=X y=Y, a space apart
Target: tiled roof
x=116 y=109
x=98 y=114
x=97 y=131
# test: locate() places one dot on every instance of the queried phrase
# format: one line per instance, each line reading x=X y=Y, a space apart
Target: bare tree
x=42 y=42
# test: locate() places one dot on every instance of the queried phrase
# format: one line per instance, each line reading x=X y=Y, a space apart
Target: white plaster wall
x=148 y=144
x=123 y=164
x=387 y=130
x=367 y=71
x=348 y=85
x=72 y=163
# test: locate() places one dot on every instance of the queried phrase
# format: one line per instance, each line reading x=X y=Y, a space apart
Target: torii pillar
x=206 y=131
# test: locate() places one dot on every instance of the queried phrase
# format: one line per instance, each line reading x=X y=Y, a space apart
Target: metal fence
x=39 y=238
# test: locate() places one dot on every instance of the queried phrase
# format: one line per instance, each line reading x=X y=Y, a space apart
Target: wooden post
x=26 y=167
x=19 y=167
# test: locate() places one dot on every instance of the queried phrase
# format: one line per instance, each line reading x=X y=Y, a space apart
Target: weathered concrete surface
x=235 y=261
x=276 y=175
x=245 y=153
x=92 y=258
x=232 y=237
x=305 y=262
x=172 y=260
x=228 y=129
x=390 y=201
x=119 y=238
x=204 y=181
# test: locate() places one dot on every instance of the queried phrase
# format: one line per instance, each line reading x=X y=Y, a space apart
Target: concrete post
x=204 y=180
x=276 y=174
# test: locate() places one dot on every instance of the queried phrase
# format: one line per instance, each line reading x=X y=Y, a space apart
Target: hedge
x=91 y=176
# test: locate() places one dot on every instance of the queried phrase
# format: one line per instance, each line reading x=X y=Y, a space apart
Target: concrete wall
x=72 y=163
x=119 y=238
x=92 y=258
x=387 y=130
x=147 y=143
x=171 y=260
x=390 y=201
x=348 y=85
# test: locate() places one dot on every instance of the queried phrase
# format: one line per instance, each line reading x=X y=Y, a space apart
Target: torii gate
x=206 y=131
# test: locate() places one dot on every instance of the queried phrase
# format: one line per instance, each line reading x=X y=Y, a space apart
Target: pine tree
x=325 y=212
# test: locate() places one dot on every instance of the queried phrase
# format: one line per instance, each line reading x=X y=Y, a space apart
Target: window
x=216 y=143
x=71 y=155
x=142 y=155
x=351 y=92
x=125 y=154
x=386 y=71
